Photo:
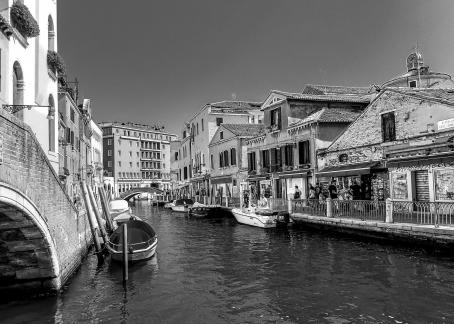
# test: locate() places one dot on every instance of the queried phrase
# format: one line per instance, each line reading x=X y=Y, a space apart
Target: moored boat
x=169 y=204
x=182 y=205
x=120 y=212
x=142 y=241
x=205 y=211
x=256 y=217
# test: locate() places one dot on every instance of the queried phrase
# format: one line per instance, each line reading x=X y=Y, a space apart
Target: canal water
x=217 y=271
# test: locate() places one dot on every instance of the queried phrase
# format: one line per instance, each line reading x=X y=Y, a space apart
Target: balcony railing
x=420 y=212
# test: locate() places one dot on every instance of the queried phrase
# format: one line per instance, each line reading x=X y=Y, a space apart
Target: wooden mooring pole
x=90 y=217
x=105 y=208
x=125 y=252
x=98 y=216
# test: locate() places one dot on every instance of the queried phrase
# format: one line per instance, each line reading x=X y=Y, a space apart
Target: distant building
x=228 y=160
x=136 y=155
x=400 y=147
x=193 y=167
x=419 y=75
x=74 y=143
x=96 y=154
x=26 y=76
x=296 y=126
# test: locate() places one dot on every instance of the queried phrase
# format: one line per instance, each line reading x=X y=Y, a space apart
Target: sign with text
x=444 y=124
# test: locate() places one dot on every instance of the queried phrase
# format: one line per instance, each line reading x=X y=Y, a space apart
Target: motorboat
x=182 y=205
x=169 y=204
x=142 y=241
x=205 y=211
x=264 y=218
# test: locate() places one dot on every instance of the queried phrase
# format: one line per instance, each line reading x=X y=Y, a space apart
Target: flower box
x=23 y=20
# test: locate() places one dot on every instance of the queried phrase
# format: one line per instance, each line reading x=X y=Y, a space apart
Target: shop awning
x=225 y=179
x=297 y=174
x=417 y=161
x=347 y=170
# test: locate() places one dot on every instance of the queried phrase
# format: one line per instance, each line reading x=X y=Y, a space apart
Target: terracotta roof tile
x=245 y=129
x=340 y=90
x=328 y=115
x=327 y=97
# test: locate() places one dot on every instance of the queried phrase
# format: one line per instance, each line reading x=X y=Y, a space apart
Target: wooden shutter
x=279 y=120
x=422 y=185
x=233 y=156
x=226 y=158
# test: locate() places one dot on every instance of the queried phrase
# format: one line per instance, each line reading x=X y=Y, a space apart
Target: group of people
x=345 y=193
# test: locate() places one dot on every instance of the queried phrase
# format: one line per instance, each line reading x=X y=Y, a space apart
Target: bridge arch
x=136 y=191
x=27 y=250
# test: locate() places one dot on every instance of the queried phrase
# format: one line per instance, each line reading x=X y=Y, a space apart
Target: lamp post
x=16 y=108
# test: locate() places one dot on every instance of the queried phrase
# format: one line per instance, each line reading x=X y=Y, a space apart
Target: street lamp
x=16 y=108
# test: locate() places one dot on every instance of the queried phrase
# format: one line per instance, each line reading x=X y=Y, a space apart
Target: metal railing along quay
x=425 y=213
x=360 y=209
x=309 y=206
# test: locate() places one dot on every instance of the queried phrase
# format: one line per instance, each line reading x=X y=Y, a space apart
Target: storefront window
x=400 y=186
x=444 y=184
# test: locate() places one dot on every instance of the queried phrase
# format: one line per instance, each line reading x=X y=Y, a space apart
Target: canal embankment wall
x=44 y=233
x=424 y=235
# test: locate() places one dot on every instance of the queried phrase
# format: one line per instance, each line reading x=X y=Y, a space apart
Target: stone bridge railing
x=43 y=236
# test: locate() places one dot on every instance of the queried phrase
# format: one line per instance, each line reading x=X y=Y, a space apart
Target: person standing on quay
x=297 y=194
x=332 y=190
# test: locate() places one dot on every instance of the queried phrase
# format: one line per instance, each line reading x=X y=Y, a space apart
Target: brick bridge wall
x=43 y=235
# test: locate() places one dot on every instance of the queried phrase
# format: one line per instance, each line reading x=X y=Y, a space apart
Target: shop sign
x=447 y=123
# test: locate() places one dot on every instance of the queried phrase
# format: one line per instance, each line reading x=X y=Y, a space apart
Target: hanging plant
x=5 y=27
x=56 y=63
x=23 y=20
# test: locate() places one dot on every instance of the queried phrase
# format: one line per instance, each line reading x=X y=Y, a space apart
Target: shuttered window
x=251 y=161
x=304 y=152
x=226 y=158
x=422 y=185
x=388 y=127
x=288 y=155
x=221 y=160
x=266 y=158
x=233 y=156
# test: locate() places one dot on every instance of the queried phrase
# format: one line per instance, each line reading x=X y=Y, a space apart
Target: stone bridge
x=136 y=191
x=43 y=236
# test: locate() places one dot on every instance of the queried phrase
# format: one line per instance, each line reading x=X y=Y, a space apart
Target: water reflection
x=216 y=271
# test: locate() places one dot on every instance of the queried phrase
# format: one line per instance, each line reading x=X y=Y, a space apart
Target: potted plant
x=23 y=20
x=5 y=27
x=55 y=63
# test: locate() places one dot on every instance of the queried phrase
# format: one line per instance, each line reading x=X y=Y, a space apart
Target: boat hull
x=252 y=219
x=136 y=255
x=180 y=209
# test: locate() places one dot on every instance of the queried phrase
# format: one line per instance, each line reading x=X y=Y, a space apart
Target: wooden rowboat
x=142 y=241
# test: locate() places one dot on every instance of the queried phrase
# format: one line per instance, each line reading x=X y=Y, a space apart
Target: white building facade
x=26 y=77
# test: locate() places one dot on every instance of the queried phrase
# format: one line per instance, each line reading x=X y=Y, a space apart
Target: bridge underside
x=25 y=258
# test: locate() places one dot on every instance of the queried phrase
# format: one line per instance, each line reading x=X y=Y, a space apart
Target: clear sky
x=161 y=60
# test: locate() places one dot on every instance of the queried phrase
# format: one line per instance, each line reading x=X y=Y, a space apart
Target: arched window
x=18 y=87
x=51 y=34
x=51 y=121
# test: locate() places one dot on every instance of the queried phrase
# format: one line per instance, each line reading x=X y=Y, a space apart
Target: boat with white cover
x=182 y=205
x=263 y=218
x=120 y=212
